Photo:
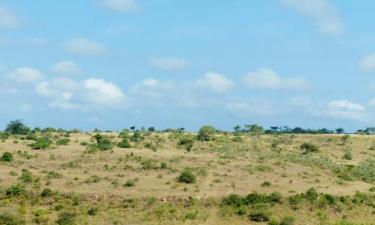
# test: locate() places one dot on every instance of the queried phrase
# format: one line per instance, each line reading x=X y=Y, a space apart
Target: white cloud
x=83 y=46
x=25 y=75
x=58 y=88
x=345 y=109
x=268 y=79
x=152 y=88
x=99 y=91
x=63 y=105
x=66 y=68
x=168 y=63
x=367 y=63
x=249 y=108
x=69 y=94
x=214 y=82
x=8 y=19
x=119 y=5
x=324 y=14
x=336 y=109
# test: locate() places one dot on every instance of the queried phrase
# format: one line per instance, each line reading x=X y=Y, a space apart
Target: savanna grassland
x=177 y=177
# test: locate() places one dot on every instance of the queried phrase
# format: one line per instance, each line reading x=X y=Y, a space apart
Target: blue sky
x=167 y=63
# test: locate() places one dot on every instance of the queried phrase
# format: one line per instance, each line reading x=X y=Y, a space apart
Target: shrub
x=26 y=176
x=288 y=220
x=136 y=137
x=255 y=198
x=260 y=215
x=266 y=184
x=105 y=144
x=46 y=192
x=15 y=190
x=63 y=141
x=206 y=133
x=6 y=157
x=93 y=179
x=92 y=211
x=187 y=177
x=365 y=171
x=187 y=142
x=129 y=183
x=8 y=219
x=124 y=143
x=66 y=218
x=309 y=148
x=148 y=164
x=348 y=155
x=163 y=165
x=102 y=143
x=233 y=200
x=17 y=127
x=311 y=195
x=41 y=143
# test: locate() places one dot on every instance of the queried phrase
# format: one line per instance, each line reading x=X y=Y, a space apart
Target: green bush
x=46 y=192
x=309 y=148
x=124 y=143
x=15 y=190
x=186 y=142
x=41 y=143
x=17 y=127
x=66 y=218
x=365 y=171
x=6 y=157
x=63 y=141
x=187 y=177
x=348 y=155
x=137 y=137
x=206 y=133
x=8 y=219
x=129 y=183
x=260 y=216
x=311 y=195
x=287 y=220
x=26 y=176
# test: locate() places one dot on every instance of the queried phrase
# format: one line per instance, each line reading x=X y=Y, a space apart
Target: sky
x=111 y=64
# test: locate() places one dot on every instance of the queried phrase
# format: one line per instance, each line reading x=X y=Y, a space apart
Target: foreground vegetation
x=250 y=176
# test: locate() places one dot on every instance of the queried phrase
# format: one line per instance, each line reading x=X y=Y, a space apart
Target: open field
x=86 y=178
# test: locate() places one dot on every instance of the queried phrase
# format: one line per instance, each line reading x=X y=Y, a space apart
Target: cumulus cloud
x=168 y=63
x=152 y=88
x=25 y=75
x=323 y=13
x=367 y=63
x=69 y=94
x=214 y=82
x=119 y=5
x=251 y=107
x=99 y=91
x=336 y=109
x=66 y=68
x=268 y=79
x=8 y=19
x=345 y=109
x=83 y=46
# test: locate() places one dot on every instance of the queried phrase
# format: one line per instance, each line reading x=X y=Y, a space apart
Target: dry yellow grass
x=222 y=167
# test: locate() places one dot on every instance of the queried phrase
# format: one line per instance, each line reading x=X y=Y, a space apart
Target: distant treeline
x=18 y=127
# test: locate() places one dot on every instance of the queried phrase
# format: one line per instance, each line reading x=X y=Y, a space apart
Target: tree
x=254 y=128
x=206 y=133
x=340 y=131
x=17 y=127
x=237 y=128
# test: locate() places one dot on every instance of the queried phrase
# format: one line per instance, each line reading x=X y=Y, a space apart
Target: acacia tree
x=17 y=127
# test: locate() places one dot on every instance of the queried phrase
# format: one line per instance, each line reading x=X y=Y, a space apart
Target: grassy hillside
x=177 y=178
